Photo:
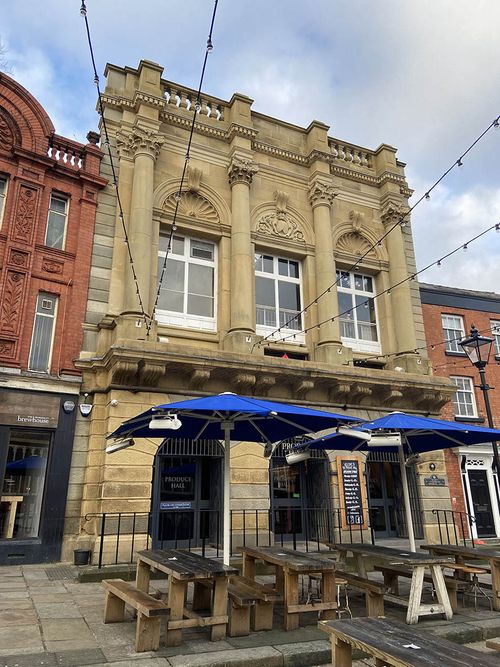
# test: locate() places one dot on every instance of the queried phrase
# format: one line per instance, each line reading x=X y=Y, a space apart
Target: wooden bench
x=398 y=645
x=391 y=574
x=494 y=644
x=149 y=610
x=374 y=591
x=250 y=603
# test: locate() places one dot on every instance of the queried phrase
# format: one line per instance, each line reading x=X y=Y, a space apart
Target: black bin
x=81 y=556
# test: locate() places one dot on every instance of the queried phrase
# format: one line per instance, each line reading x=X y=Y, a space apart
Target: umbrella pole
x=226 y=520
x=406 y=497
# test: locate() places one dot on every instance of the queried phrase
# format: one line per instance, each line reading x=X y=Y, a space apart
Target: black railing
x=119 y=535
x=454 y=527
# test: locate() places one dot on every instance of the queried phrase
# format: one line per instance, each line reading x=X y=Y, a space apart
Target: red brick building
x=48 y=197
x=449 y=313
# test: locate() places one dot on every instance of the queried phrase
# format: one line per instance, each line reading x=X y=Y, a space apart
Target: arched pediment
x=357 y=240
x=191 y=205
x=279 y=222
x=354 y=243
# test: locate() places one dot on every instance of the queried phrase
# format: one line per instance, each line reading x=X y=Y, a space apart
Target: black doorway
x=481 y=502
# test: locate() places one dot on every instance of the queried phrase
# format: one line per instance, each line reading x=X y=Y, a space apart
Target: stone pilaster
x=402 y=311
x=321 y=195
x=242 y=330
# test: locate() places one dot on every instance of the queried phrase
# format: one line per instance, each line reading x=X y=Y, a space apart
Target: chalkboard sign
x=351 y=491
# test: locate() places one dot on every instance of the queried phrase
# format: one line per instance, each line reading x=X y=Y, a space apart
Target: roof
x=456 y=297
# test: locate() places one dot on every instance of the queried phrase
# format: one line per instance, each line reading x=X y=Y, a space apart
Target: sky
x=420 y=75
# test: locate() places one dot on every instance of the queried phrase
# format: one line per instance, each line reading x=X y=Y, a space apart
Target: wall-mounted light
x=85 y=407
x=432 y=466
x=167 y=421
x=296 y=457
x=385 y=440
x=353 y=433
x=121 y=444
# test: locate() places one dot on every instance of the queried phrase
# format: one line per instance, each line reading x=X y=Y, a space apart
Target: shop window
x=187 y=293
x=495 y=330
x=3 y=193
x=55 y=236
x=43 y=333
x=23 y=484
x=464 y=402
x=278 y=298
x=453 y=328
x=358 y=315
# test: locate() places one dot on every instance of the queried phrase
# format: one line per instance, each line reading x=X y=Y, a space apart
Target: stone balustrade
x=184 y=98
x=354 y=155
x=66 y=152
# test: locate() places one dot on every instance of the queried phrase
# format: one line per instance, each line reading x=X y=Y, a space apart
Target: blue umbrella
x=229 y=417
x=411 y=435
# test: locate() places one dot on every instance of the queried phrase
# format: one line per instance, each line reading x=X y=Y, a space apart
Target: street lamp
x=478 y=349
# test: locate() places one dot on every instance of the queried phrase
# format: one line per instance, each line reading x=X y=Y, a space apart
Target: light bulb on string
x=83 y=9
x=210 y=46
x=464 y=247
x=438 y=263
x=96 y=80
x=497 y=227
x=427 y=196
x=459 y=162
x=496 y=123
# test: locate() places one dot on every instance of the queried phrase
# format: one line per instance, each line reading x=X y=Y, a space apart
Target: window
x=56 y=224
x=43 y=333
x=3 y=193
x=187 y=294
x=358 y=316
x=278 y=297
x=495 y=330
x=453 y=327
x=464 y=402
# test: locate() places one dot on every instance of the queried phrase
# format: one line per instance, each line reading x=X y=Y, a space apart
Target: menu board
x=351 y=491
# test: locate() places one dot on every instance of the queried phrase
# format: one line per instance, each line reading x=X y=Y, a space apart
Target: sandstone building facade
x=48 y=199
x=270 y=215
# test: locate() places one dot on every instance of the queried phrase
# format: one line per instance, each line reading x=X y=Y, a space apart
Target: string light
x=496 y=123
x=460 y=163
x=427 y=196
x=438 y=263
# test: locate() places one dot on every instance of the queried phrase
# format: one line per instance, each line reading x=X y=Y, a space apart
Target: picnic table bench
x=183 y=567
x=393 y=643
x=417 y=563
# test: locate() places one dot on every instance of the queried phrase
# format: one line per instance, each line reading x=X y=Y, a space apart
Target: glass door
x=382 y=496
x=22 y=482
x=288 y=491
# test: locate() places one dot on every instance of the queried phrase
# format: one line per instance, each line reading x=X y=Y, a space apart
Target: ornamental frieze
x=280 y=225
x=12 y=301
x=7 y=348
x=18 y=258
x=51 y=266
x=25 y=214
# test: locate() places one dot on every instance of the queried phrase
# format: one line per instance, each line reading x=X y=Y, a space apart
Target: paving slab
x=47 y=598
x=275 y=637
x=195 y=646
x=32 y=575
x=303 y=654
x=58 y=610
x=262 y=656
x=462 y=633
x=13 y=595
x=29 y=660
x=25 y=637
x=13 y=584
x=72 y=629
x=79 y=658
x=113 y=634
x=18 y=617
x=147 y=662
x=24 y=603
x=70 y=645
x=126 y=653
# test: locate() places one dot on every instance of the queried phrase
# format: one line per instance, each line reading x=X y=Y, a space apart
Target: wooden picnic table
x=463 y=554
x=417 y=564
x=183 y=567
x=289 y=564
x=393 y=643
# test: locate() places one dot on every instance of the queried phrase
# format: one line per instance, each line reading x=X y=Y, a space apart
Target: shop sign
x=434 y=480
x=351 y=491
x=175 y=505
x=178 y=484
x=23 y=408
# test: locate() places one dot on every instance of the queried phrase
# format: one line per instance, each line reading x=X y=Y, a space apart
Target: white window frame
x=450 y=333
x=495 y=332
x=186 y=320
x=467 y=388
x=359 y=344
x=53 y=316
x=294 y=336
x=65 y=199
x=3 y=196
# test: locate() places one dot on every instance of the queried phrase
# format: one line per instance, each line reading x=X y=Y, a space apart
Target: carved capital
x=241 y=170
x=321 y=194
x=393 y=211
x=139 y=140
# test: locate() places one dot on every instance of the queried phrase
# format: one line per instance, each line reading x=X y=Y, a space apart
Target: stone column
x=402 y=309
x=144 y=144
x=321 y=195
x=241 y=171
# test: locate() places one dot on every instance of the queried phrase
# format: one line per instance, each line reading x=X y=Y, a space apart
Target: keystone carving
x=194 y=179
x=139 y=140
x=199 y=377
x=241 y=170
x=356 y=219
x=321 y=194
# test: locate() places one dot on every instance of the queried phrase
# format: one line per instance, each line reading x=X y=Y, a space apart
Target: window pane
x=172 y=290
x=344 y=279
x=345 y=302
x=264 y=292
x=293 y=268
x=358 y=283
x=55 y=230
x=58 y=205
x=202 y=250
x=289 y=295
x=177 y=244
x=201 y=280
x=267 y=264
x=258 y=261
x=23 y=484
x=365 y=309
x=368 y=284
x=200 y=305
x=41 y=344
x=266 y=316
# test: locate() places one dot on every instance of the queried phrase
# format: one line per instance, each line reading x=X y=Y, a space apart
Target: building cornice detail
x=236 y=130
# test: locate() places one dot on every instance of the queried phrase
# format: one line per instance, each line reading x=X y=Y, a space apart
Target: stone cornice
x=241 y=170
x=148 y=100
x=236 y=130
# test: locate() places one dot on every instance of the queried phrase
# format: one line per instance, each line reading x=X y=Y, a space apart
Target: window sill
x=470 y=420
x=455 y=354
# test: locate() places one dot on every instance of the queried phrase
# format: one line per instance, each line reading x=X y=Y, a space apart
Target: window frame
x=471 y=392
x=359 y=344
x=3 y=196
x=293 y=336
x=459 y=351
x=495 y=332
x=52 y=337
x=187 y=320
x=62 y=197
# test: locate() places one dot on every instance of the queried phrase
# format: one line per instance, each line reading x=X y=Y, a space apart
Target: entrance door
x=186 y=495
x=382 y=499
x=481 y=502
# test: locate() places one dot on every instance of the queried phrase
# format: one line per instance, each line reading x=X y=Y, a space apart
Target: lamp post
x=478 y=349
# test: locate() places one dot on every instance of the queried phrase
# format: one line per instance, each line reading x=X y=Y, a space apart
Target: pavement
x=49 y=619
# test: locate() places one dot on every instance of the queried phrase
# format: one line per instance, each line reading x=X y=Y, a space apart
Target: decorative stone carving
x=283 y=226
x=191 y=205
x=302 y=388
x=18 y=258
x=281 y=199
x=241 y=170
x=150 y=373
x=12 y=301
x=7 y=348
x=339 y=392
x=7 y=138
x=264 y=384
x=51 y=266
x=356 y=219
x=124 y=372
x=139 y=140
x=360 y=393
x=199 y=377
x=244 y=381
x=25 y=214
x=391 y=397
x=321 y=194
x=354 y=244
x=392 y=212
x=194 y=179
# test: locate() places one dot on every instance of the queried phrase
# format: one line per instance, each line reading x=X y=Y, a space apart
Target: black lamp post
x=478 y=349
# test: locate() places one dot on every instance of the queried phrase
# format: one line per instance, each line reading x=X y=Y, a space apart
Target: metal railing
x=454 y=525
x=119 y=535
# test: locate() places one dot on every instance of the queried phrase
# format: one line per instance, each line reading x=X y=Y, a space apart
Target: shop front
x=36 y=442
